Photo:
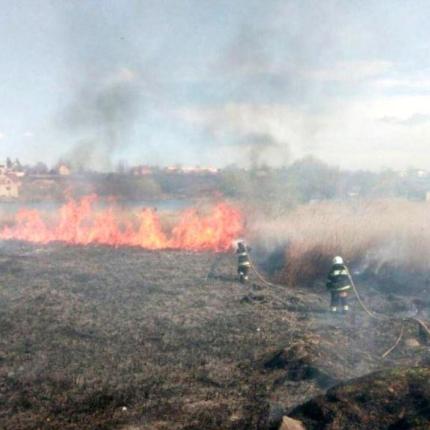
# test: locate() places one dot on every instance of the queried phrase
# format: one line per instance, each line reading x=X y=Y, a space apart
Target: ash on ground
x=104 y=338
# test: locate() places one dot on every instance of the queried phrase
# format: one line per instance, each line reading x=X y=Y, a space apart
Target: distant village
x=12 y=174
x=15 y=177
x=305 y=180
x=10 y=179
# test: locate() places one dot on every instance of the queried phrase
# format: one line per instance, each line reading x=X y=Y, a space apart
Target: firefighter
x=338 y=283
x=243 y=263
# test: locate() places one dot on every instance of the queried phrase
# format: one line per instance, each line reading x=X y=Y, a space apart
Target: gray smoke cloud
x=260 y=149
x=294 y=72
x=101 y=118
x=258 y=121
x=109 y=85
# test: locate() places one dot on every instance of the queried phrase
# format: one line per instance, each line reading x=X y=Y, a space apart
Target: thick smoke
x=261 y=149
x=101 y=117
x=109 y=82
x=262 y=144
x=249 y=66
x=259 y=121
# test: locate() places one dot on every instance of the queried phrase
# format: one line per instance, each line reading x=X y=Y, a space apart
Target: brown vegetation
x=370 y=233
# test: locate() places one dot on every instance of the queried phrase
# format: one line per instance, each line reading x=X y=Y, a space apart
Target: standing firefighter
x=338 y=283
x=243 y=263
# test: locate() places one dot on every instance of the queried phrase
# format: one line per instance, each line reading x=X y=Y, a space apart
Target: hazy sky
x=216 y=82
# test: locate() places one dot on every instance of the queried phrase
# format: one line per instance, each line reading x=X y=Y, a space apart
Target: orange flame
x=79 y=223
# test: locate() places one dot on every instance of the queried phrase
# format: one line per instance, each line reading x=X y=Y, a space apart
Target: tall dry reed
x=376 y=232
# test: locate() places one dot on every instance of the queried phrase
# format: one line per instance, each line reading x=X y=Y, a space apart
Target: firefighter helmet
x=239 y=242
x=241 y=245
x=338 y=260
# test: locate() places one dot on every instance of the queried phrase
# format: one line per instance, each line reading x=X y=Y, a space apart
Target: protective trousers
x=339 y=299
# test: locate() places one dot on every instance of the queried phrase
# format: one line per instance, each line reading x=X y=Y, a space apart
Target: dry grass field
x=369 y=234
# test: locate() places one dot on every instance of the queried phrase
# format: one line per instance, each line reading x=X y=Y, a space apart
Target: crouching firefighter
x=243 y=263
x=338 y=283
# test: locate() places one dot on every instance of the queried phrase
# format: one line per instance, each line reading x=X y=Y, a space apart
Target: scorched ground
x=123 y=338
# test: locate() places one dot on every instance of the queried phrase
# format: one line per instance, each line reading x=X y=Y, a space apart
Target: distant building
x=9 y=185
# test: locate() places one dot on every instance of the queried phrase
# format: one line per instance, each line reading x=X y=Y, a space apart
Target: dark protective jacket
x=338 y=279
x=242 y=256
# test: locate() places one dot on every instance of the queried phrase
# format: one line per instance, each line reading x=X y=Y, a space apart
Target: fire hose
x=364 y=307
x=260 y=276
x=387 y=318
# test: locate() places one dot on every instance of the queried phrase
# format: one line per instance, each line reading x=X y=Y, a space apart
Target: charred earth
x=393 y=399
x=121 y=338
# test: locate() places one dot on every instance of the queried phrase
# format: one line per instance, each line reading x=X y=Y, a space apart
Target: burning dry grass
x=83 y=222
x=372 y=233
